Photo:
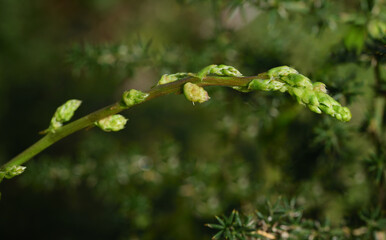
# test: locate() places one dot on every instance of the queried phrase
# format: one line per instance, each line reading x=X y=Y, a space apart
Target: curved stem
x=88 y=120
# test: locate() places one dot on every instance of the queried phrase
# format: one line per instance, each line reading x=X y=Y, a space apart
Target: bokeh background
x=175 y=166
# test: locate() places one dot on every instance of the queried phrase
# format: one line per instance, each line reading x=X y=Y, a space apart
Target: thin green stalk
x=90 y=119
x=283 y=79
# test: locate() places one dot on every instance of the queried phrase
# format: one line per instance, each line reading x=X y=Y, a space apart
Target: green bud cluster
x=64 y=113
x=168 y=78
x=112 y=123
x=195 y=93
x=11 y=172
x=219 y=70
x=312 y=95
x=133 y=97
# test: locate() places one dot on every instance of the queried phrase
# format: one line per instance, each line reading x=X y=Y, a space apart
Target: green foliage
x=103 y=59
x=376 y=164
x=233 y=227
x=283 y=220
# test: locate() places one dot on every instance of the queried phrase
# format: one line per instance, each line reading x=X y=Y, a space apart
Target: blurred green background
x=176 y=166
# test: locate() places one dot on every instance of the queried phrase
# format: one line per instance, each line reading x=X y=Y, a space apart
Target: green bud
x=326 y=110
x=310 y=98
x=205 y=71
x=338 y=116
x=64 y=113
x=243 y=89
x=195 y=93
x=276 y=85
x=324 y=99
x=224 y=70
x=133 y=97
x=319 y=87
x=297 y=80
x=307 y=96
x=337 y=108
x=267 y=85
x=220 y=70
x=259 y=84
x=112 y=123
x=331 y=107
x=297 y=93
x=11 y=172
x=168 y=78
x=346 y=114
x=280 y=71
x=340 y=113
x=314 y=109
x=283 y=89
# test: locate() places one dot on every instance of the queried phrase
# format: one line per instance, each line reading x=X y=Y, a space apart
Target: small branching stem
x=88 y=120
